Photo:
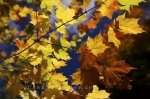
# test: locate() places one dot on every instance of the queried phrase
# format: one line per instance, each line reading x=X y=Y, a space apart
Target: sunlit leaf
x=129 y=25
x=96 y=45
x=98 y=94
x=62 y=29
x=35 y=59
x=67 y=14
x=58 y=81
x=127 y=4
x=61 y=54
x=112 y=37
x=49 y=4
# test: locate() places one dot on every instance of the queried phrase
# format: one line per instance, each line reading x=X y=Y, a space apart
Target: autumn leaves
x=100 y=56
x=100 y=60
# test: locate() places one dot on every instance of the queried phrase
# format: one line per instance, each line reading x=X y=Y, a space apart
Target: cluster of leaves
x=42 y=51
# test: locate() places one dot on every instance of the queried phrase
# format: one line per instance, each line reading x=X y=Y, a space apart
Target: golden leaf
x=65 y=14
x=96 y=45
x=35 y=59
x=98 y=94
x=61 y=54
x=61 y=29
x=112 y=37
x=129 y=25
x=58 y=81
x=53 y=64
x=128 y=3
x=49 y=4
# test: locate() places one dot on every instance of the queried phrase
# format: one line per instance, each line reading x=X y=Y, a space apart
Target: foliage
x=44 y=45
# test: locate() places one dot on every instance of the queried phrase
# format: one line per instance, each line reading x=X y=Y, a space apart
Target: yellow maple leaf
x=96 y=45
x=45 y=49
x=65 y=14
x=35 y=59
x=109 y=7
x=98 y=94
x=53 y=64
x=66 y=44
x=61 y=29
x=58 y=81
x=49 y=4
x=127 y=3
x=129 y=25
x=61 y=54
x=112 y=37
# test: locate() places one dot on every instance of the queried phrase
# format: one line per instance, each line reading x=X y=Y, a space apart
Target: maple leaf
x=65 y=43
x=89 y=70
x=96 y=45
x=76 y=78
x=61 y=54
x=61 y=29
x=35 y=59
x=67 y=14
x=20 y=44
x=58 y=81
x=113 y=67
x=108 y=8
x=113 y=74
x=45 y=49
x=53 y=64
x=98 y=94
x=49 y=4
x=129 y=25
x=112 y=37
x=127 y=4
